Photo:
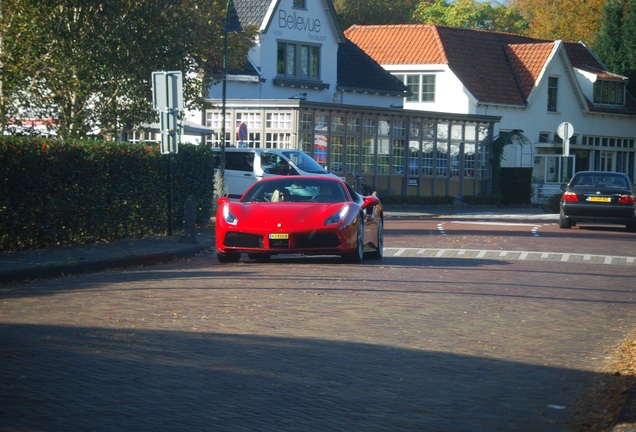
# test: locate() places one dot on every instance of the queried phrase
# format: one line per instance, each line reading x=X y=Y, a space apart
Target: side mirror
x=370 y=201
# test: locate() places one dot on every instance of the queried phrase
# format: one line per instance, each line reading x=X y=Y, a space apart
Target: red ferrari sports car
x=309 y=215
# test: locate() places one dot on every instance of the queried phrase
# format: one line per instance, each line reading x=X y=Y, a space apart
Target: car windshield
x=600 y=180
x=304 y=162
x=294 y=189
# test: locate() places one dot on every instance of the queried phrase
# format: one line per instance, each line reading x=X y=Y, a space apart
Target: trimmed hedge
x=516 y=186
x=75 y=192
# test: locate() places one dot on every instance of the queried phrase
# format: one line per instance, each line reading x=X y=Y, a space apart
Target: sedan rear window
x=600 y=181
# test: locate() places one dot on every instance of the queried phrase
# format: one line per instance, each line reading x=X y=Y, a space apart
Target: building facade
x=306 y=86
x=533 y=85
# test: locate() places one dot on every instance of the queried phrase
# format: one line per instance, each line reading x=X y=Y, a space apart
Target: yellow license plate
x=279 y=236
x=599 y=199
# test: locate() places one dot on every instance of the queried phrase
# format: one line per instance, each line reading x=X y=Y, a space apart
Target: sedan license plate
x=279 y=236
x=599 y=199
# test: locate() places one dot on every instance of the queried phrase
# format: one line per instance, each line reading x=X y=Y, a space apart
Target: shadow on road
x=59 y=378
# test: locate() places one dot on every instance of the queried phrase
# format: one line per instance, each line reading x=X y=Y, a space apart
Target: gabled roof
x=248 y=12
x=498 y=68
x=357 y=71
x=260 y=13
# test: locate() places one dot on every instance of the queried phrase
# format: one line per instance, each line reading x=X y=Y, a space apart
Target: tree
x=569 y=20
x=95 y=59
x=366 y=12
x=21 y=50
x=616 y=41
x=471 y=14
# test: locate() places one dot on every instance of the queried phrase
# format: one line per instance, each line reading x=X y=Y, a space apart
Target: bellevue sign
x=296 y=22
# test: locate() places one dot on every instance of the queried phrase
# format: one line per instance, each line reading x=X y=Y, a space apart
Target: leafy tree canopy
x=471 y=14
x=368 y=12
x=616 y=41
x=84 y=63
x=569 y=20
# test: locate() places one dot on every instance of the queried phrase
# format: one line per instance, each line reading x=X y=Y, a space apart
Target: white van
x=245 y=166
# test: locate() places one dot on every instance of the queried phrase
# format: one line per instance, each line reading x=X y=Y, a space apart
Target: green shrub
x=80 y=191
x=552 y=205
x=516 y=186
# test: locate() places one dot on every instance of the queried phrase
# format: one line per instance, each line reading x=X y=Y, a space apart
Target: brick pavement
x=182 y=347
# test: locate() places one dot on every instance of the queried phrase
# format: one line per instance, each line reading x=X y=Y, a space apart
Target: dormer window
x=608 y=92
x=300 y=4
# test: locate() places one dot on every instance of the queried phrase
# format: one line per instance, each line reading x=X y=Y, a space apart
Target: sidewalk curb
x=75 y=268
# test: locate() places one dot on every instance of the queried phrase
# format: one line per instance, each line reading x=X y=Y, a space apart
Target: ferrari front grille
x=243 y=240
x=279 y=244
x=324 y=240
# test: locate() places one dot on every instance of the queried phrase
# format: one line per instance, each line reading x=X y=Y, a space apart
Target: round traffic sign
x=565 y=130
x=242 y=132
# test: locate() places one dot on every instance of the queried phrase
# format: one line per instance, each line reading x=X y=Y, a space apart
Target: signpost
x=565 y=132
x=242 y=135
x=167 y=99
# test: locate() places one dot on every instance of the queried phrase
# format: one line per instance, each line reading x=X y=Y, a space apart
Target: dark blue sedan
x=599 y=197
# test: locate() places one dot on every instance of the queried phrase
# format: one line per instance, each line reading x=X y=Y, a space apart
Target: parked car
x=598 y=196
x=310 y=215
x=245 y=166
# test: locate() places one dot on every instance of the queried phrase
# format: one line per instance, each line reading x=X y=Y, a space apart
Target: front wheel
x=379 y=252
x=356 y=256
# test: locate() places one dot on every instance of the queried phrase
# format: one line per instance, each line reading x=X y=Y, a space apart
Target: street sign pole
x=167 y=97
x=565 y=132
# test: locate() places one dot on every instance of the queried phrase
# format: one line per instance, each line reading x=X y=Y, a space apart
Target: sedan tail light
x=626 y=199
x=570 y=197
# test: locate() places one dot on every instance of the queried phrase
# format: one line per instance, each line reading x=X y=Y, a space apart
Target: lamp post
x=224 y=94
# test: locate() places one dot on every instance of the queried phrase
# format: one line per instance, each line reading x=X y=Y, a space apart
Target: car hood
x=283 y=215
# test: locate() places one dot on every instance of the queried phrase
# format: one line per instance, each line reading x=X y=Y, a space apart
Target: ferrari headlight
x=337 y=217
x=228 y=217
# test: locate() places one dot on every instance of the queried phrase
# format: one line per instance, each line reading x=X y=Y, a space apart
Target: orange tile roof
x=399 y=44
x=495 y=67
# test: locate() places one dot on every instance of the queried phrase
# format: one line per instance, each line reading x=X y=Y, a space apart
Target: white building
x=305 y=85
x=533 y=85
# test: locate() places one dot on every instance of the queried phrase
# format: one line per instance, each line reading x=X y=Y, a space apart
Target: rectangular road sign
x=167 y=90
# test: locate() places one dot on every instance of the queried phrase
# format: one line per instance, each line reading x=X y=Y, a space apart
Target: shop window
x=352 y=155
x=397 y=153
x=414 y=162
x=336 y=151
x=368 y=126
x=427 y=157
x=383 y=156
x=368 y=156
x=441 y=163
